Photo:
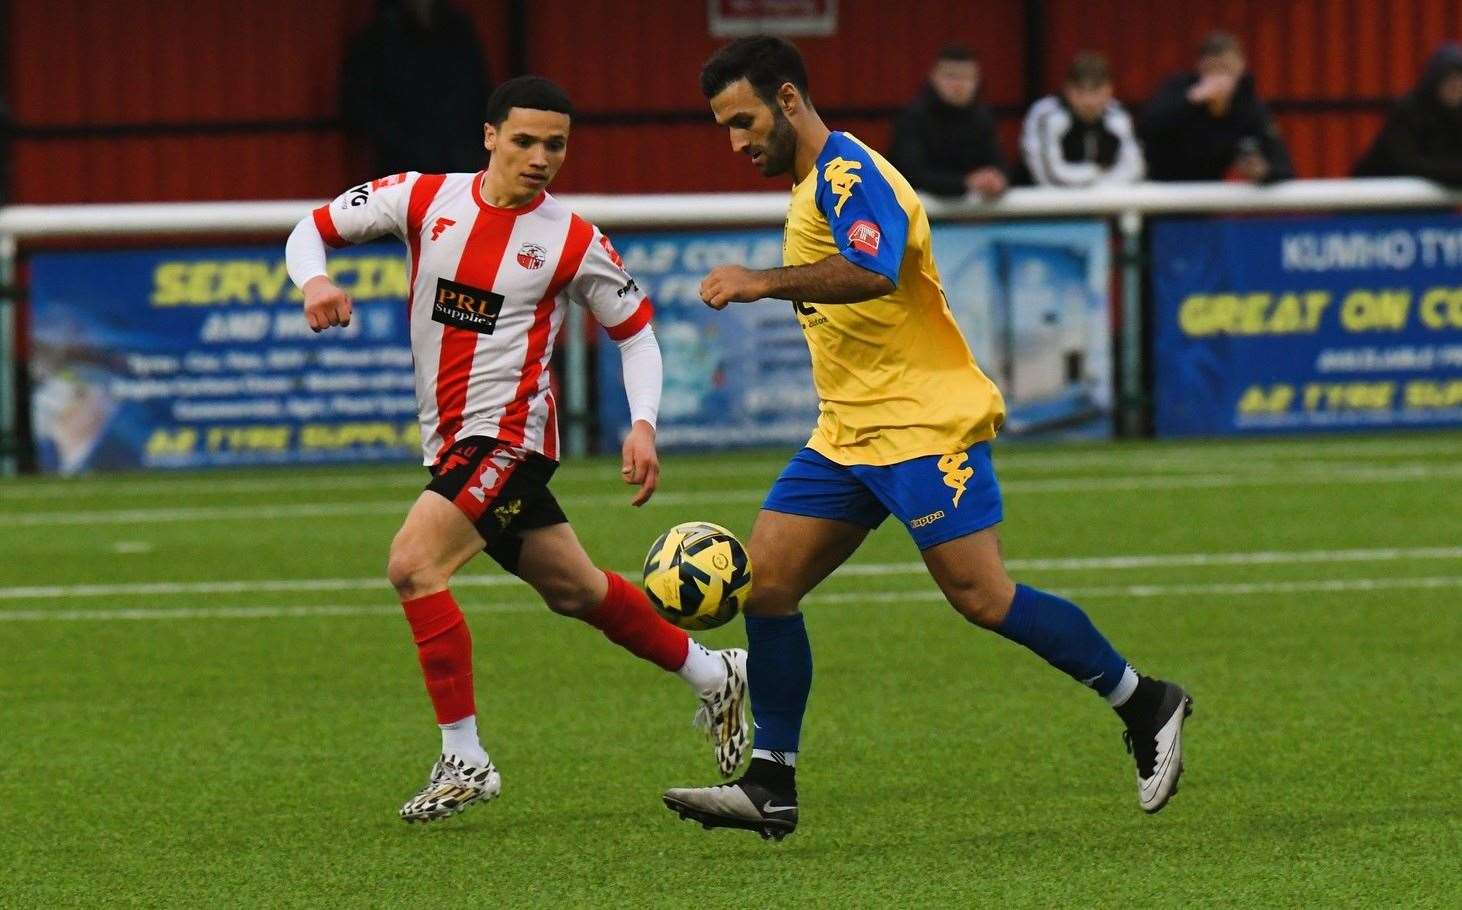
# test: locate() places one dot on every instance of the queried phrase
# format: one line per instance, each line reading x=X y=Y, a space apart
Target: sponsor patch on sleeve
x=864 y=236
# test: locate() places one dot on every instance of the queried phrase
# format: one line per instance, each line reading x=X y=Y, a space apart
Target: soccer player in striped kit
x=494 y=263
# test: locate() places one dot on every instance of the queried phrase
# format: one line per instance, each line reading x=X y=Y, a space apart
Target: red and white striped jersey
x=488 y=292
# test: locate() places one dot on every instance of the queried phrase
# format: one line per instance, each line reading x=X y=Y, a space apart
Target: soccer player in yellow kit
x=905 y=424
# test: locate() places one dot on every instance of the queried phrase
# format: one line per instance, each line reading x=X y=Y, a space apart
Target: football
x=698 y=575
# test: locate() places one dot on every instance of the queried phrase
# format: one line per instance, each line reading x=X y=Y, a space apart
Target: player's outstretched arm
x=304 y=254
x=830 y=280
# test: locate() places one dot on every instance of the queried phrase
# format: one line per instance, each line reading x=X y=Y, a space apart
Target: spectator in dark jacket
x=415 y=85
x=945 y=142
x=1423 y=133
x=1211 y=125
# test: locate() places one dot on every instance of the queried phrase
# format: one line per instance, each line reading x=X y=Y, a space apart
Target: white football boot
x=740 y=804
x=1158 y=749
x=454 y=785
x=722 y=714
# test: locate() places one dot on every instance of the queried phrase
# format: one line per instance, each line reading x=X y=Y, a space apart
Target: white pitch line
x=1047 y=564
x=1240 y=589
x=1230 y=589
x=1146 y=483
x=147 y=613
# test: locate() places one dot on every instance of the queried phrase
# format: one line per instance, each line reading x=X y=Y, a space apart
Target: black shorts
x=503 y=491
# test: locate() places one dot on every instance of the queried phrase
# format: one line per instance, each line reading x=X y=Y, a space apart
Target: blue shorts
x=937 y=497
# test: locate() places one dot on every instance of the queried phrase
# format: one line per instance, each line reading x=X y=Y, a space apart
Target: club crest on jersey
x=532 y=256
x=466 y=307
x=864 y=235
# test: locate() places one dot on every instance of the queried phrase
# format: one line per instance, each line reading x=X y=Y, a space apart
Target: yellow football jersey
x=894 y=376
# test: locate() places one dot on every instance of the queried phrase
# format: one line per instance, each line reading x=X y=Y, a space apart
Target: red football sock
x=627 y=619
x=444 y=647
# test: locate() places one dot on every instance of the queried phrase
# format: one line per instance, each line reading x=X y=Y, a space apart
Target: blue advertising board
x=1295 y=324
x=1032 y=299
x=201 y=357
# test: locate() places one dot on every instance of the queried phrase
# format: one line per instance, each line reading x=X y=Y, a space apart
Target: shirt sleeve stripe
x=631 y=326
x=326 y=226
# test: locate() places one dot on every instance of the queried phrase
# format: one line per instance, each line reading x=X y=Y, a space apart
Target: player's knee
x=983 y=601
x=412 y=574
x=770 y=598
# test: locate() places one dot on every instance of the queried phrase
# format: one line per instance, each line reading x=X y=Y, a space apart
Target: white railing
x=1129 y=205
x=25 y=222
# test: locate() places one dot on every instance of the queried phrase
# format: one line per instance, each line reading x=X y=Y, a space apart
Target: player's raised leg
x=434 y=542
x=552 y=560
x=970 y=572
x=790 y=554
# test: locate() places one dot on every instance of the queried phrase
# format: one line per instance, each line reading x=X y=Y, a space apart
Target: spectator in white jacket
x=1082 y=137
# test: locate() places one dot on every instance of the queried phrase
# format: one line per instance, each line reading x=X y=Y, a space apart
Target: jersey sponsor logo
x=838 y=175
x=629 y=288
x=356 y=195
x=466 y=307
x=614 y=256
x=381 y=183
x=926 y=520
x=441 y=225
x=864 y=235
x=814 y=318
x=956 y=474
x=532 y=256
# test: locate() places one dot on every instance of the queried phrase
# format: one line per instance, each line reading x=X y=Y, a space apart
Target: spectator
x=1081 y=137
x=415 y=85
x=1210 y=124
x=945 y=142
x=1423 y=133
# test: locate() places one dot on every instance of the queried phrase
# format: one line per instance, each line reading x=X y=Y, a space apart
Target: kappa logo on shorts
x=466 y=307
x=926 y=520
x=956 y=474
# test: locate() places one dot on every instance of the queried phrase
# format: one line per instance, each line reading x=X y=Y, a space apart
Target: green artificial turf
x=202 y=744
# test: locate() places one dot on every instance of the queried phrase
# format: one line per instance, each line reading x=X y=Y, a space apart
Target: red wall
x=88 y=63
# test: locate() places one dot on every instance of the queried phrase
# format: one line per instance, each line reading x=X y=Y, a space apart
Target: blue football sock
x=1060 y=632
x=779 y=671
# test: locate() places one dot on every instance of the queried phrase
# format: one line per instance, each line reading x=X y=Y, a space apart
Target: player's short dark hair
x=534 y=92
x=766 y=62
x=1216 y=44
x=956 y=53
x=1088 y=68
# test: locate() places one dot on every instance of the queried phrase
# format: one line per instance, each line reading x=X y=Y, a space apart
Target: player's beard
x=781 y=146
